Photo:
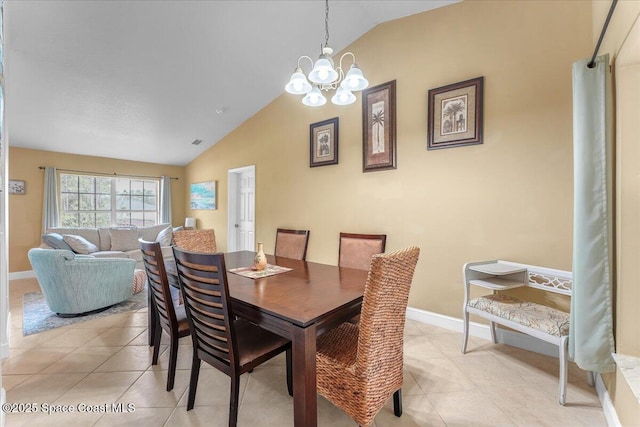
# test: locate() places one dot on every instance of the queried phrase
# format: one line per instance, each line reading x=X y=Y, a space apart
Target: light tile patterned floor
x=107 y=361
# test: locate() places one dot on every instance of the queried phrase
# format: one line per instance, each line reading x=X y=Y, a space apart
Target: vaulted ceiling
x=140 y=80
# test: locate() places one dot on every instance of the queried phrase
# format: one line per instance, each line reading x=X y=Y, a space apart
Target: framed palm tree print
x=455 y=115
x=379 y=127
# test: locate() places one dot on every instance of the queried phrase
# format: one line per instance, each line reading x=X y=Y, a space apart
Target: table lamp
x=189 y=223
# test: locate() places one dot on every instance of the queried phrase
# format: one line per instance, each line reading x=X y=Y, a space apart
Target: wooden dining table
x=299 y=305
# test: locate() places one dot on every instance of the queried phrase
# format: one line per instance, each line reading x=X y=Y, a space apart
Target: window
x=99 y=201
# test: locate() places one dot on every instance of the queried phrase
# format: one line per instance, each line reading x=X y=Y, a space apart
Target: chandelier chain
x=326 y=24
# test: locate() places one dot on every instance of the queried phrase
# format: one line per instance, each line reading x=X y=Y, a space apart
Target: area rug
x=36 y=316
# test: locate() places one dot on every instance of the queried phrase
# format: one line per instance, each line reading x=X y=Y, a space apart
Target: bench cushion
x=536 y=316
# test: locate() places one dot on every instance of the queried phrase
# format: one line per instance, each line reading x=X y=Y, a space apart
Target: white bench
x=540 y=321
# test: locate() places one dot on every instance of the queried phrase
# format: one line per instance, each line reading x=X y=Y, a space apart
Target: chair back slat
x=380 y=340
x=203 y=282
x=158 y=284
x=356 y=250
x=291 y=243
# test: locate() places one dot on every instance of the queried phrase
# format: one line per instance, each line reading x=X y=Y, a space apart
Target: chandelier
x=325 y=77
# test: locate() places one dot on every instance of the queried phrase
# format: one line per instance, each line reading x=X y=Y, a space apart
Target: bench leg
x=492 y=326
x=465 y=332
x=564 y=367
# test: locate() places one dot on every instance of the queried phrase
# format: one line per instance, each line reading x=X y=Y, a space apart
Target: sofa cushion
x=124 y=239
x=91 y=234
x=110 y=254
x=79 y=244
x=105 y=239
x=55 y=241
x=150 y=233
x=165 y=236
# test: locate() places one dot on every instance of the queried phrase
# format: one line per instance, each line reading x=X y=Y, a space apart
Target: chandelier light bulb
x=298 y=84
x=343 y=97
x=315 y=98
x=354 y=80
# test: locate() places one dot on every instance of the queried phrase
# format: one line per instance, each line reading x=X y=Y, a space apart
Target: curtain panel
x=50 y=199
x=591 y=332
x=165 y=200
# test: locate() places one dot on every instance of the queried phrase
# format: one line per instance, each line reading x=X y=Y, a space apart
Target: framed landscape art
x=323 y=143
x=203 y=195
x=455 y=115
x=379 y=127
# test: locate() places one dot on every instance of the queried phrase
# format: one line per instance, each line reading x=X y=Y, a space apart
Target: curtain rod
x=592 y=63
x=108 y=174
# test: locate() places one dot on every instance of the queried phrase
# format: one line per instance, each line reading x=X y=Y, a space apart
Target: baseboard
x=515 y=339
x=22 y=275
x=609 y=410
x=512 y=338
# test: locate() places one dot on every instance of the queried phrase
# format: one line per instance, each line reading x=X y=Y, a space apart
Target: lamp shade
x=189 y=223
x=354 y=80
x=343 y=97
x=298 y=84
x=323 y=71
x=315 y=98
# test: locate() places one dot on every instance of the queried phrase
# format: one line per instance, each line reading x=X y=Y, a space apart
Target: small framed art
x=379 y=127
x=323 y=143
x=455 y=115
x=203 y=195
x=16 y=187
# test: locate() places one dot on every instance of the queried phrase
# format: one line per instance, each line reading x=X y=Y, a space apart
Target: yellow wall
x=509 y=198
x=627 y=86
x=25 y=211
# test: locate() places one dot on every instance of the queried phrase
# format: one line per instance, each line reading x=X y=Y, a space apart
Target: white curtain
x=591 y=335
x=165 y=200
x=50 y=200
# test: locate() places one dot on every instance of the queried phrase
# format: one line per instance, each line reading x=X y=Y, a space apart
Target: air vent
x=197 y=142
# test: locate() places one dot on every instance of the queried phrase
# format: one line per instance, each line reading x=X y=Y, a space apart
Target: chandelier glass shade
x=324 y=77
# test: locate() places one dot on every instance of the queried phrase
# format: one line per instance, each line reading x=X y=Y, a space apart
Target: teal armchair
x=75 y=284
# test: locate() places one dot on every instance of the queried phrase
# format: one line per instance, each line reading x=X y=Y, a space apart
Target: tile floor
x=107 y=361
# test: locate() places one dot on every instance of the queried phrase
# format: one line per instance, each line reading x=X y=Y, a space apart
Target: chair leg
x=564 y=367
x=591 y=378
x=233 y=404
x=397 y=403
x=289 y=373
x=465 y=332
x=156 y=344
x=193 y=382
x=173 y=357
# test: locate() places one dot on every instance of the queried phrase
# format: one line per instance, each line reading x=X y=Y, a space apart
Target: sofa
x=76 y=284
x=109 y=242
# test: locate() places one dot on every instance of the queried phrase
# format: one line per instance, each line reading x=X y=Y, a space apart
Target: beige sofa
x=117 y=242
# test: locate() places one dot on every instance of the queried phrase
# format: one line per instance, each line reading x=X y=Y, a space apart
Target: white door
x=242 y=215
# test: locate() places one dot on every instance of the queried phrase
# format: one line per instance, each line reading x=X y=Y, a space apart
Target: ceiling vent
x=197 y=142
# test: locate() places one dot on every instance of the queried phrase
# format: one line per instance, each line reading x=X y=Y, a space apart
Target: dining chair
x=196 y=240
x=292 y=243
x=359 y=367
x=232 y=345
x=356 y=250
x=171 y=318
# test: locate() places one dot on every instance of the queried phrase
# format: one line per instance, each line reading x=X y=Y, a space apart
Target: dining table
x=299 y=305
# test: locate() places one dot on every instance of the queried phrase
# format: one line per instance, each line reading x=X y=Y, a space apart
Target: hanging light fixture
x=325 y=77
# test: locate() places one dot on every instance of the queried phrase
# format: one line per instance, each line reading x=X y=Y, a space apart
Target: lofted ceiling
x=141 y=80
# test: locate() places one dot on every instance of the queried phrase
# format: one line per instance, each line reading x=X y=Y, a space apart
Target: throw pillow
x=124 y=239
x=165 y=236
x=79 y=244
x=56 y=241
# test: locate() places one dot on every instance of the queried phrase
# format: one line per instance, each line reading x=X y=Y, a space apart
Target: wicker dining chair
x=196 y=240
x=169 y=317
x=292 y=243
x=359 y=367
x=356 y=250
x=232 y=345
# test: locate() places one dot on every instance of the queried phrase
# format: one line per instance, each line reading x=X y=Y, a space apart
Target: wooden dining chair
x=291 y=243
x=359 y=367
x=232 y=345
x=169 y=318
x=196 y=240
x=356 y=250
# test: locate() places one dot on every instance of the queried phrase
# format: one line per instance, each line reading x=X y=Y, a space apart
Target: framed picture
x=203 y=195
x=16 y=187
x=379 y=127
x=455 y=115
x=323 y=143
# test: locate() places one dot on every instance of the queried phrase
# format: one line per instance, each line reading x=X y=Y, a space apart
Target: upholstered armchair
x=75 y=284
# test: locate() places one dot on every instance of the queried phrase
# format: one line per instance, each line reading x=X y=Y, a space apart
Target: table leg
x=305 y=409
